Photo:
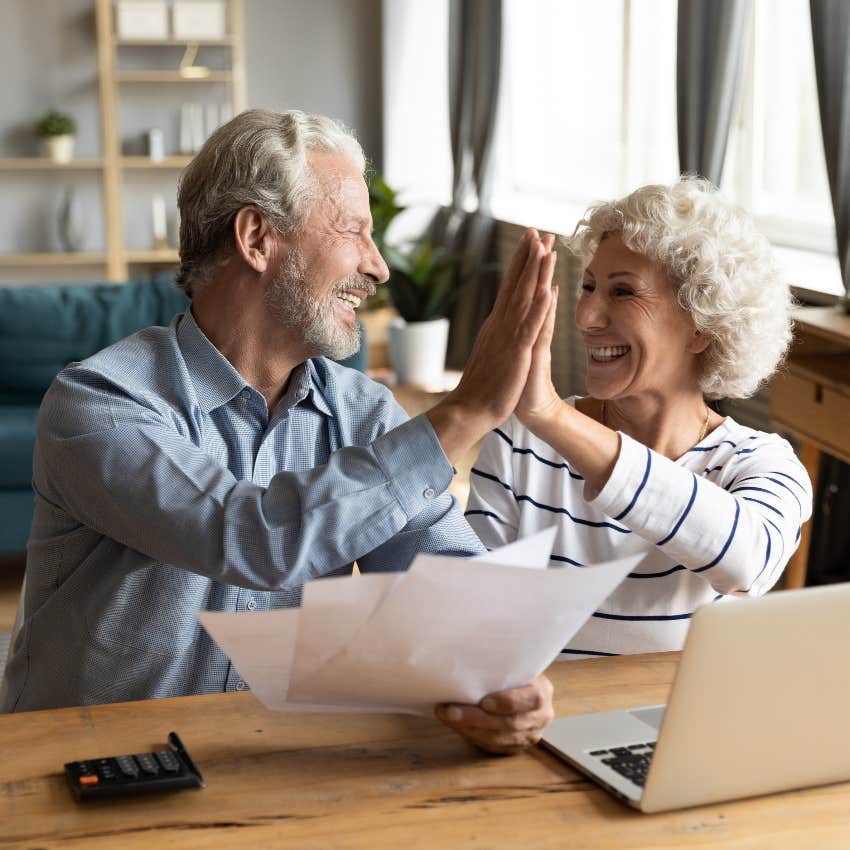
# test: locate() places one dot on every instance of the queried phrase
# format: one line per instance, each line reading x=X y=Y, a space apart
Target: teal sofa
x=45 y=327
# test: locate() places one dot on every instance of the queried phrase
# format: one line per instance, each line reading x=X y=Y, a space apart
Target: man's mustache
x=357 y=281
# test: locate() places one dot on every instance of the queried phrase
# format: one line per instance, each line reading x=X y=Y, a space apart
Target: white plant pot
x=59 y=148
x=418 y=350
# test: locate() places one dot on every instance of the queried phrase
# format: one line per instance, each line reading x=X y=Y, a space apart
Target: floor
x=11 y=575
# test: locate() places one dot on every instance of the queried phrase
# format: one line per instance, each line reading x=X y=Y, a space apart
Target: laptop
x=760 y=703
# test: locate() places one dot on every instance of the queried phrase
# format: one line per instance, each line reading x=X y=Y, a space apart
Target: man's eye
x=587 y=287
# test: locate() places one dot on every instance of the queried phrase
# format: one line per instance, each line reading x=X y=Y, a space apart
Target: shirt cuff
x=414 y=463
x=626 y=481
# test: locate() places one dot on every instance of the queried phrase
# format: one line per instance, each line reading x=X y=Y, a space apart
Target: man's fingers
x=519 y=302
x=531 y=697
x=465 y=718
x=516 y=266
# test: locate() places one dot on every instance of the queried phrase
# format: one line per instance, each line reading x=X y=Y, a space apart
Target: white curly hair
x=722 y=269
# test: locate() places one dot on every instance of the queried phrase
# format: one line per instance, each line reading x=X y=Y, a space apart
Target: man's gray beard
x=290 y=300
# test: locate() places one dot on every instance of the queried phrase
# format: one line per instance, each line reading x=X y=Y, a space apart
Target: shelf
x=227 y=41
x=171 y=77
x=145 y=162
x=154 y=255
x=51 y=259
x=37 y=163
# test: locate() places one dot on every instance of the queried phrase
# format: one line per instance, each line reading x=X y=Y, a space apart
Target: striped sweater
x=721 y=521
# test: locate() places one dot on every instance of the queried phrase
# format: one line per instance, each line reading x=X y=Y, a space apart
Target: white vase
x=418 y=350
x=70 y=222
x=59 y=148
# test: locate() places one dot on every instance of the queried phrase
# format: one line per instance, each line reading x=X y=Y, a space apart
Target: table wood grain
x=369 y=781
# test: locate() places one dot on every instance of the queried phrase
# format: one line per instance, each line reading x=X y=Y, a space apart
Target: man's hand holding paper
x=449 y=631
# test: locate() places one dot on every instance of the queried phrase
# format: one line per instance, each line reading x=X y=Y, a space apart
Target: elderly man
x=221 y=462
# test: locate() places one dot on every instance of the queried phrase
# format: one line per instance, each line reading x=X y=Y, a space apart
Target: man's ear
x=254 y=238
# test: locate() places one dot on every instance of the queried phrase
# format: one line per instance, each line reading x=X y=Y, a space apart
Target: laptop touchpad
x=651 y=716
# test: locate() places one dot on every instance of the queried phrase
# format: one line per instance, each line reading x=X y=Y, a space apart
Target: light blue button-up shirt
x=163 y=488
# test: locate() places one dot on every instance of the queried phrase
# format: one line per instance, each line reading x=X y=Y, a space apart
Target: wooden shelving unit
x=36 y=163
x=115 y=164
x=154 y=255
x=112 y=166
x=173 y=42
x=53 y=259
x=172 y=77
x=168 y=162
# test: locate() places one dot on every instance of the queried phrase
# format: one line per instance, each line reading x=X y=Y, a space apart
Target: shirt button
x=241 y=686
x=429 y=492
x=252 y=605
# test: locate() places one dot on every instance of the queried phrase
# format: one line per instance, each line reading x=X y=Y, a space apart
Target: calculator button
x=89 y=779
x=148 y=763
x=127 y=765
x=168 y=761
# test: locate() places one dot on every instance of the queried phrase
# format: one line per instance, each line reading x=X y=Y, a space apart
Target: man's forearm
x=458 y=427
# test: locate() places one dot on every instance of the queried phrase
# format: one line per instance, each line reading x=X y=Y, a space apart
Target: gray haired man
x=220 y=463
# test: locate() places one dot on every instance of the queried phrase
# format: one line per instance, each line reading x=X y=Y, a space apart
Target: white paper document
x=449 y=629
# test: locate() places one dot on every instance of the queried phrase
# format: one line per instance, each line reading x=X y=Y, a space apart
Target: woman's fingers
x=547 y=332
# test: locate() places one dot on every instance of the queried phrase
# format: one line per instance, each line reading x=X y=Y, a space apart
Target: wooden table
x=370 y=781
x=810 y=398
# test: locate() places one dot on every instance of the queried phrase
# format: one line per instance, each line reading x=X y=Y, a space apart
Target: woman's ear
x=253 y=237
x=699 y=342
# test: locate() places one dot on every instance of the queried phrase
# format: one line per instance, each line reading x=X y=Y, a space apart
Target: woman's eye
x=622 y=291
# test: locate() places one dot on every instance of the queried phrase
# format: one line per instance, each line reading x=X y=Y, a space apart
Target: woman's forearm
x=589 y=447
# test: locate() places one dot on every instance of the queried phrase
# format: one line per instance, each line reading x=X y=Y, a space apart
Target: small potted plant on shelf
x=420 y=288
x=57 y=131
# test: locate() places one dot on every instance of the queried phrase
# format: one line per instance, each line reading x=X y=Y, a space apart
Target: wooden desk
x=810 y=398
x=370 y=781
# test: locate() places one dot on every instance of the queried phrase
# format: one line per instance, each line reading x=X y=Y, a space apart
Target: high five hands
x=509 y=368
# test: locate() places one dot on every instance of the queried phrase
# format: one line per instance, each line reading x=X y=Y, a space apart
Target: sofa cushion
x=17 y=438
x=43 y=328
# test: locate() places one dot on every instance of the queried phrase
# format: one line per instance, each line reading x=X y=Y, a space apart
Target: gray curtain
x=709 y=62
x=831 y=37
x=475 y=48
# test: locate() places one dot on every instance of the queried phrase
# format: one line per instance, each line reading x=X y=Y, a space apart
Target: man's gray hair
x=259 y=159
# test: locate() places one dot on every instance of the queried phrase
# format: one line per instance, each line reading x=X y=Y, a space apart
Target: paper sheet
x=447 y=630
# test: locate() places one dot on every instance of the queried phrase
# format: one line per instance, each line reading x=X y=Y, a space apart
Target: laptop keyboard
x=632 y=761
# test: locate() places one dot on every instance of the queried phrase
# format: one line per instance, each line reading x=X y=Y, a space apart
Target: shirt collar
x=216 y=382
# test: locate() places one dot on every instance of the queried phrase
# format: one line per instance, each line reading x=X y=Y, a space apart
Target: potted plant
x=57 y=130
x=420 y=288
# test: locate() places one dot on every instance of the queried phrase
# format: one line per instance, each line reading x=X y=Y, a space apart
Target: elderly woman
x=680 y=302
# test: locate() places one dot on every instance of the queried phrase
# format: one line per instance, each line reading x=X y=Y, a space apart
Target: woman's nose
x=590 y=312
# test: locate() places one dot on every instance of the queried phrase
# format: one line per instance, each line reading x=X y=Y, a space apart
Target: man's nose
x=373 y=264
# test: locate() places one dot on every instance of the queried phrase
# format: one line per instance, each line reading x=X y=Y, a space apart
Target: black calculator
x=140 y=773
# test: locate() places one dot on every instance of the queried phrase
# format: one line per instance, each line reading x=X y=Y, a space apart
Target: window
x=775 y=164
x=588 y=105
x=588 y=111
